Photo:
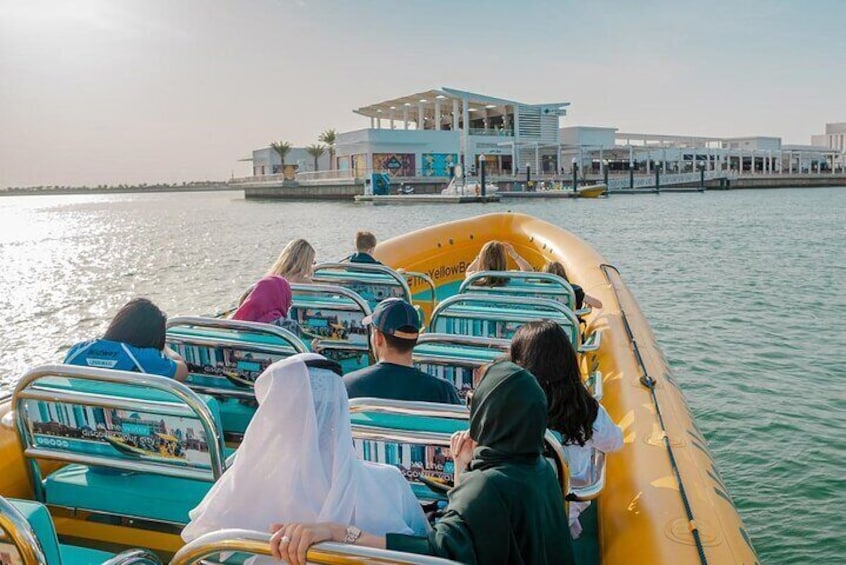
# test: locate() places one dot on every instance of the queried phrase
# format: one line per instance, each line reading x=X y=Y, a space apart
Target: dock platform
x=426 y=198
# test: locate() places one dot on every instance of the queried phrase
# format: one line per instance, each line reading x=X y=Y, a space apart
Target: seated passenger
x=365 y=245
x=544 y=349
x=556 y=268
x=393 y=336
x=507 y=505
x=134 y=341
x=268 y=302
x=297 y=463
x=493 y=257
x=296 y=262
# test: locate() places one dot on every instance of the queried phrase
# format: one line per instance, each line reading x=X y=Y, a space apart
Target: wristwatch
x=352 y=534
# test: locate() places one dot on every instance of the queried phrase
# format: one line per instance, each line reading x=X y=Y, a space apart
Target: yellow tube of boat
x=641 y=512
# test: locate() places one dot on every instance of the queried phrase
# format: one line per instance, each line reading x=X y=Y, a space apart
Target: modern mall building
x=425 y=134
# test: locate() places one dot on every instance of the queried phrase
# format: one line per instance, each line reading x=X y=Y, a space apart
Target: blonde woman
x=296 y=262
x=494 y=257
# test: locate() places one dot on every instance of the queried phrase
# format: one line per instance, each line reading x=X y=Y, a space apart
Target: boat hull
x=641 y=514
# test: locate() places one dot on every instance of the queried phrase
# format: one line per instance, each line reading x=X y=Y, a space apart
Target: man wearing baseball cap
x=394 y=332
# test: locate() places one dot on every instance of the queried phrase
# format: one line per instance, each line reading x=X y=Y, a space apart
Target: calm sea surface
x=744 y=289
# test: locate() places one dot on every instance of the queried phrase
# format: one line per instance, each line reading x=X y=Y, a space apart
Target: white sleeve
x=607 y=437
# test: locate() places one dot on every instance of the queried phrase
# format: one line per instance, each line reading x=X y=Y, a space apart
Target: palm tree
x=316 y=150
x=328 y=137
x=282 y=148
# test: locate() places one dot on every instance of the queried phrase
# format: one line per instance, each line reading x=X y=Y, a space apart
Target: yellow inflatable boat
x=658 y=500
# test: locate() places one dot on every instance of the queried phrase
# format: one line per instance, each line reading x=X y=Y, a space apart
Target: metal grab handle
x=592 y=342
x=550 y=281
x=364 y=268
x=134 y=557
x=326 y=553
x=239 y=325
x=427 y=280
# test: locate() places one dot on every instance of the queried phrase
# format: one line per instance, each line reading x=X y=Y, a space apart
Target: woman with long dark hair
x=544 y=349
x=134 y=341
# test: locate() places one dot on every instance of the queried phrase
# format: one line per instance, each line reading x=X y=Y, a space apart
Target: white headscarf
x=297 y=464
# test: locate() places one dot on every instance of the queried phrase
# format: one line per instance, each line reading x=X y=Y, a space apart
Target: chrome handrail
x=330 y=290
x=214 y=437
x=549 y=281
x=134 y=557
x=596 y=472
x=553 y=306
x=239 y=325
x=433 y=291
x=365 y=268
x=409 y=408
x=18 y=530
x=326 y=553
x=469 y=340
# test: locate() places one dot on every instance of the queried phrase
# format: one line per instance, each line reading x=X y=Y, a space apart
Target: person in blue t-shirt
x=134 y=341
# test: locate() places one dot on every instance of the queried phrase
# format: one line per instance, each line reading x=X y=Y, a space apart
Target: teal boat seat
x=140 y=446
x=412 y=436
x=374 y=283
x=143 y=495
x=55 y=553
x=333 y=315
x=525 y=285
x=454 y=358
x=486 y=315
x=224 y=358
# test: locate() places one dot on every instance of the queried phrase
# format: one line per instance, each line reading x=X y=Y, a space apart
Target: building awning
x=395 y=107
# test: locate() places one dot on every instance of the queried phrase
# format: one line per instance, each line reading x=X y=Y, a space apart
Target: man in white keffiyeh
x=297 y=464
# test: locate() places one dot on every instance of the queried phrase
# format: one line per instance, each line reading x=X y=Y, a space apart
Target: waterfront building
x=589 y=147
x=833 y=138
x=266 y=161
x=426 y=133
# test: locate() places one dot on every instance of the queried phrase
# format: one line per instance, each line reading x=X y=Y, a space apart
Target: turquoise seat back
x=374 y=283
x=225 y=357
x=333 y=315
x=413 y=436
x=489 y=315
x=454 y=358
x=32 y=525
x=522 y=284
x=117 y=420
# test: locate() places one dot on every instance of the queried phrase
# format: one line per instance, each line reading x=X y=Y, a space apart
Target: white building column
x=405 y=116
x=437 y=113
x=455 y=111
x=372 y=122
x=790 y=162
x=465 y=117
x=420 y=116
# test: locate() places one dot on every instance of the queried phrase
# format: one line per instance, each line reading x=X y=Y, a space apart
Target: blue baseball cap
x=396 y=317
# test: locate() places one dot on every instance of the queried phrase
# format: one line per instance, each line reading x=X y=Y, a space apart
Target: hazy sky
x=110 y=91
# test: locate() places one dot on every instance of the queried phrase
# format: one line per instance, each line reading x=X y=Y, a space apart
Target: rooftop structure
x=426 y=133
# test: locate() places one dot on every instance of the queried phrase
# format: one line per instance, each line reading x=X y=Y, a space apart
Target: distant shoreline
x=221 y=187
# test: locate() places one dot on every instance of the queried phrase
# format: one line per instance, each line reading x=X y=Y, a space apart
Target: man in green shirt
x=396 y=327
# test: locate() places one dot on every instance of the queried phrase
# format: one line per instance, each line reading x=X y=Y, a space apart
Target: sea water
x=744 y=290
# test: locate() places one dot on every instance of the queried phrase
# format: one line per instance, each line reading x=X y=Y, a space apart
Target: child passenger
x=544 y=349
x=134 y=341
x=365 y=245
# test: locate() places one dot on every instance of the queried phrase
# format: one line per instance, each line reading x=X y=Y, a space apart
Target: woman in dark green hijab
x=507 y=505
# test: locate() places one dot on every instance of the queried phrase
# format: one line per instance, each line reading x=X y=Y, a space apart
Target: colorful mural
x=438 y=164
x=112 y=433
x=395 y=164
x=218 y=361
x=413 y=460
x=330 y=325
